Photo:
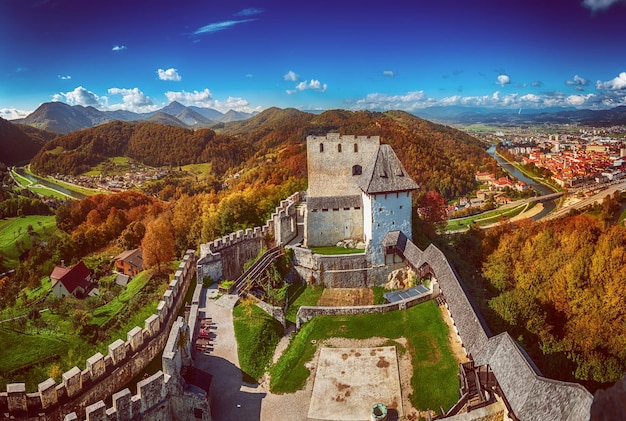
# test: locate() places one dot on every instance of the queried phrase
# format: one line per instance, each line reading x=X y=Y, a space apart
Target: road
x=598 y=197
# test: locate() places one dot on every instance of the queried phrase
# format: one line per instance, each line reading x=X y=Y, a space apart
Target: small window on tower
x=356 y=147
x=357 y=170
x=321 y=147
x=339 y=147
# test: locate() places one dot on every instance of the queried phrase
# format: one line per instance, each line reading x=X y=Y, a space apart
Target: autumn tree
x=432 y=208
x=158 y=243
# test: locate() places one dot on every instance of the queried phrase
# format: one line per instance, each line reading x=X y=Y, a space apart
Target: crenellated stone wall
x=103 y=375
x=165 y=395
x=224 y=258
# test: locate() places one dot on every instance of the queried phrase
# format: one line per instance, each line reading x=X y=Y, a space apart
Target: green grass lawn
x=72 y=187
x=33 y=348
x=434 y=381
x=301 y=295
x=333 y=250
x=15 y=229
x=103 y=314
x=484 y=218
x=257 y=335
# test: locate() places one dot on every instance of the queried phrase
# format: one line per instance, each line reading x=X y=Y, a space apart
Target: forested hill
x=151 y=143
x=20 y=143
x=271 y=146
x=438 y=157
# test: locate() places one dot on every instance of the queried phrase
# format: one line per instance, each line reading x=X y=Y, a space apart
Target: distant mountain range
x=475 y=115
x=62 y=118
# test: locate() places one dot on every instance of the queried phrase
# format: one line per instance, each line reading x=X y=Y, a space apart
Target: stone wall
x=306 y=313
x=163 y=396
x=224 y=258
x=342 y=271
x=103 y=375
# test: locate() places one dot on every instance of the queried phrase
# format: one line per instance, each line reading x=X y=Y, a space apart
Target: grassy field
x=301 y=295
x=37 y=188
x=484 y=218
x=334 y=250
x=435 y=369
x=103 y=314
x=69 y=186
x=257 y=335
x=13 y=230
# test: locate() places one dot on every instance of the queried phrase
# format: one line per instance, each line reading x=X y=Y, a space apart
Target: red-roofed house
x=76 y=281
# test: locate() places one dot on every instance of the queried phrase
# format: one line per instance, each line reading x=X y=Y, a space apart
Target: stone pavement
x=231 y=398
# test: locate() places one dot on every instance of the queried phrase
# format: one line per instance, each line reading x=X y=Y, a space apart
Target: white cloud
x=205 y=99
x=576 y=100
x=219 y=26
x=79 y=96
x=291 y=76
x=249 y=12
x=169 y=74
x=119 y=48
x=503 y=80
x=414 y=101
x=389 y=73
x=67 y=77
x=599 y=4
x=577 y=81
x=13 y=113
x=614 y=84
x=198 y=98
x=249 y=75
x=536 y=84
x=291 y=91
x=132 y=100
x=314 y=85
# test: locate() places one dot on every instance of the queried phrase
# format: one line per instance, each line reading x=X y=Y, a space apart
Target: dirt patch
x=453 y=338
x=337 y=297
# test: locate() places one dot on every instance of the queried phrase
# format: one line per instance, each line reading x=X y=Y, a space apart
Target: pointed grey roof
x=385 y=174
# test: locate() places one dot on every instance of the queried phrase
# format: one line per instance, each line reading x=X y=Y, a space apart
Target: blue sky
x=254 y=54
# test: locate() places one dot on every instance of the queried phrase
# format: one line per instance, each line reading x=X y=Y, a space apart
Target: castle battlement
x=79 y=385
x=153 y=398
x=215 y=256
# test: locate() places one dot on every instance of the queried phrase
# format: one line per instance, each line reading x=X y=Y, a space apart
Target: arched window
x=356 y=170
x=356 y=147
x=321 y=147
x=339 y=147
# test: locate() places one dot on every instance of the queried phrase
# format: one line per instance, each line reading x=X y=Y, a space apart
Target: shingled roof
x=75 y=277
x=133 y=257
x=385 y=174
x=333 y=202
x=531 y=396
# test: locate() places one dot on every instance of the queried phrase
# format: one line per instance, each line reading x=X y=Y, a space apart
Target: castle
x=359 y=190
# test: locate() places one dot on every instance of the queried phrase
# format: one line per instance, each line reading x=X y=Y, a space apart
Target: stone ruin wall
x=224 y=258
x=103 y=375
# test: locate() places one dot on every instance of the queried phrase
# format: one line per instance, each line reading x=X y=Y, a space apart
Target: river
x=514 y=172
x=75 y=195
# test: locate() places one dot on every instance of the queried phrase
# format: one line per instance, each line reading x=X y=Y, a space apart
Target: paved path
x=231 y=398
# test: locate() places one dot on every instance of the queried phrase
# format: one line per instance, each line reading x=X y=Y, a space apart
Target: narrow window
x=339 y=147
x=356 y=147
x=321 y=147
